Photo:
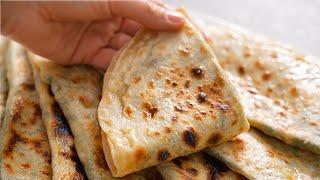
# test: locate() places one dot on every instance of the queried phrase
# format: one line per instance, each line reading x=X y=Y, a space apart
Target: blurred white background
x=295 y=22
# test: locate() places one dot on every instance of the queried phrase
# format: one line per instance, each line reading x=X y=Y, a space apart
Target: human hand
x=88 y=32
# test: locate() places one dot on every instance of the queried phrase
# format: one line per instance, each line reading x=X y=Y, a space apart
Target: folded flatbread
x=165 y=96
x=197 y=166
x=3 y=79
x=258 y=156
x=279 y=87
x=64 y=158
x=25 y=152
x=77 y=90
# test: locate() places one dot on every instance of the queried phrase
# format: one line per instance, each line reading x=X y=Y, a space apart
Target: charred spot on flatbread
x=152 y=174
x=266 y=75
x=239 y=144
x=202 y=96
x=28 y=86
x=214 y=166
x=150 y=110
x=215 y=138
x=8 y=167
x=187 y=83
x=16 y=137
x=241 y=70
x=37 y=113
x=77 y=79
x=25 y=165
x=140 y=154
x=190 y=137
x=72 y=155
x=177 y=162
x=197 y=72
x=174 y=119
x=46 y=172
x=16 y=114
x=167 y=130
x=128 y=111
x=163 y=155
x=294 y=92
x=87 y=103
x=61 y=127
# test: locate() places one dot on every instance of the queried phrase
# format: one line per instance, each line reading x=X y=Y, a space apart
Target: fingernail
x=175 y=17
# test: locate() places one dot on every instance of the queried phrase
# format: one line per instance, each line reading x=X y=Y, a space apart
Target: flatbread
x=25 y=152
x=3 y=79
x=165 y=96
x=77 y=89
x=197 y=166
x=258 y=156
x=65 y=161
x=279 y=87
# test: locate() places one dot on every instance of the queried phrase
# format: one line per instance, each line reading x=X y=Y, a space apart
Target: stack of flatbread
x=172 y=105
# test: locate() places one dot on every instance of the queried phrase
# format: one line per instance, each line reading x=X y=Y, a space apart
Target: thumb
x=146 y=12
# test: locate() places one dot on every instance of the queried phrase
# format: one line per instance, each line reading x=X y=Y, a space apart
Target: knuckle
x=151 y=7
x=102 y=9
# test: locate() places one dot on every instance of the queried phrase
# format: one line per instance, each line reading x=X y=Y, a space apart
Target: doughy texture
x=197 y=166
x=25 y=152
x=165 y=96
x=279 y=87
x=258 y=156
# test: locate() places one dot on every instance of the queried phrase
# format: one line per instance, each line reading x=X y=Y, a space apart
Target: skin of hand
x=82 y=32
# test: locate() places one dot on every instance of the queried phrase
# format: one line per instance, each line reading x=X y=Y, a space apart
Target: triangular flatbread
x=258 y=156
x=279 y=87
x=25 y=152
x=165 y=96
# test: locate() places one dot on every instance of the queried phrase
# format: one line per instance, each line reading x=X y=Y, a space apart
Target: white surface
x=294 y=22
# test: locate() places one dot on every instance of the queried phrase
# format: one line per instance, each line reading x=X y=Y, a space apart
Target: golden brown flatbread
x=77 y=91
x=25 y=152
x=165 y=96
x=65 y=161
x=278 y=86
x=258 y=156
